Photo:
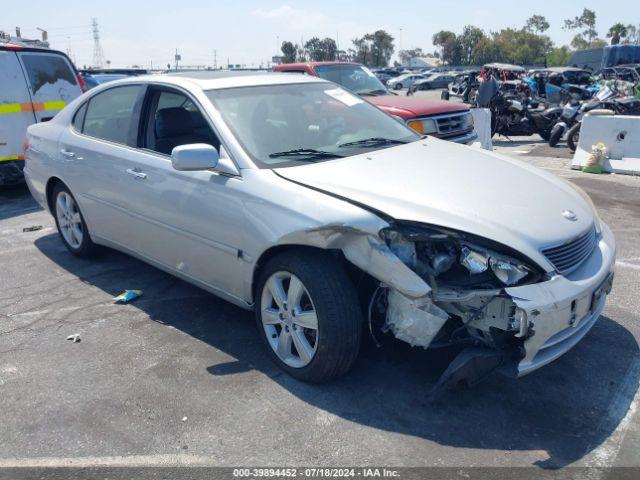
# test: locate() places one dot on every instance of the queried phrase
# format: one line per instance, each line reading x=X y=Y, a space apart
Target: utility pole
x=98 y=55
x=215 y=59
x=177 y=57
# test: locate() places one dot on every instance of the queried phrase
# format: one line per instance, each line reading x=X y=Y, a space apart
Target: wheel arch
x=51 y=185
x=275 y=250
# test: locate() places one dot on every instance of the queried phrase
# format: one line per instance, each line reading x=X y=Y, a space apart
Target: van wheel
x=308 y=315
x=70 y=222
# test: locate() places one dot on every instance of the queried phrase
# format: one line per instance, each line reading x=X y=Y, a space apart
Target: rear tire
x=573 y=136
x=70 y=222
x=328 y=298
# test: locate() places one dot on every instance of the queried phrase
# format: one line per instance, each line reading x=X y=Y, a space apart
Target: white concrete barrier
x=621 y=136
x=482 y=126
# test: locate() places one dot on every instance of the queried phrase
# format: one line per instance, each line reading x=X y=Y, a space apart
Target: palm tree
x=616 y=32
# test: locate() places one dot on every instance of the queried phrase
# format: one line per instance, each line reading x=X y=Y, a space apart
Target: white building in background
x=424 y=62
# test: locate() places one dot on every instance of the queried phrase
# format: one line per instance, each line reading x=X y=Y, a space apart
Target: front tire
x=308 y=315
x=70 y=222
x=573 y=137
x=398 y=86
x=556 y=135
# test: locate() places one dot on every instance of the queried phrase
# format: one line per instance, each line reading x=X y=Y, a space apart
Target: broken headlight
x=456 y=259
x=508 y=270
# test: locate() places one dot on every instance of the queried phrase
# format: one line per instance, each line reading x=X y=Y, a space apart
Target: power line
x=98 y=55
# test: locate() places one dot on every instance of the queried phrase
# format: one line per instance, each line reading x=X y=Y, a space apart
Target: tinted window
x=175 y=120
x=78 y=119
x=47 y=69
x=110 y=114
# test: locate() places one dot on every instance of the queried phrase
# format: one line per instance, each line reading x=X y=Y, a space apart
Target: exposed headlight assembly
x=508 y=270
x=457 y=259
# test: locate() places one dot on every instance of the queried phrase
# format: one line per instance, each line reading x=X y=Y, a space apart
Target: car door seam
x=212 y=243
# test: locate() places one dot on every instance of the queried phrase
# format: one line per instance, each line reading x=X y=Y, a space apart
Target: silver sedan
x=293 y=197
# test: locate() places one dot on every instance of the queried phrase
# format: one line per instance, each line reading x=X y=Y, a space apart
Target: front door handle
x=134 y=172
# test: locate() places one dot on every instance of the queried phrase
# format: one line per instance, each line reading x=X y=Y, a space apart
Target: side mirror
x=195 y=156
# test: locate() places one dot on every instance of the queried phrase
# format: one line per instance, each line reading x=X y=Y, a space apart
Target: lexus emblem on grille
x=569 y=215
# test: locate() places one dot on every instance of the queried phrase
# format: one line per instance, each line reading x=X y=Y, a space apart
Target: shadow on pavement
x=16 y=200
x=558 y=409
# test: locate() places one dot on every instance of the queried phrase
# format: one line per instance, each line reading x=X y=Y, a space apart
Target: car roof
x=314 y=64
x=505 y=66
x=212 y=80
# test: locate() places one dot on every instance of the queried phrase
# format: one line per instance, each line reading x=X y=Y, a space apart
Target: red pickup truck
x=442 y=119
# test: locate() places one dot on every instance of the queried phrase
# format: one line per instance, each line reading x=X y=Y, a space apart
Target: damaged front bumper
x=561 y=311
x=514 y=329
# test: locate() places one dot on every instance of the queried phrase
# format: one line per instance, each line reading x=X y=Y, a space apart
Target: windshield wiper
x=372 y=142
x=310 y=153
x=373 y=92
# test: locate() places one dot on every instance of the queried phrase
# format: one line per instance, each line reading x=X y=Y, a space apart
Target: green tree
x=586 y=22
x=558 y=56
x=374 y=49
x=537 y=24
x=616 y=32
x=289 y=52
x=381 y=48
x=450 y=49
x=406 y=55
x=633 y=33
x=468 y=42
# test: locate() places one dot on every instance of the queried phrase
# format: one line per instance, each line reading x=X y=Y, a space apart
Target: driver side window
x=174 y=120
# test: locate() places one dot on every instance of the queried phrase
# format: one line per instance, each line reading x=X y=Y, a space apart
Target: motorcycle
x=573 y=111
x=514 y=115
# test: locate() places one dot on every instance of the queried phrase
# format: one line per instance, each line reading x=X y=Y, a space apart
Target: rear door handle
x=69 y=154
x=134 y=172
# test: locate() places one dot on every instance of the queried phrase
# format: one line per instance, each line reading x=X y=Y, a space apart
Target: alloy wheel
x=289 y=319
x=69 y=219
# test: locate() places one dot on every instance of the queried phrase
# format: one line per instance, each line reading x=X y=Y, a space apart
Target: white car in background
x=291 y=196
x=405 y=80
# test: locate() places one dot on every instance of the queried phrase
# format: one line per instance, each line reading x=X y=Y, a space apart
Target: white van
x=35 y=84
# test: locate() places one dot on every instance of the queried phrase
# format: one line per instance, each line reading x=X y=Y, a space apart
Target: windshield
x=356 y=78
x=283 y=125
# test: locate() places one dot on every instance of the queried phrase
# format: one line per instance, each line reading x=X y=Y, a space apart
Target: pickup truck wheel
x=70 y=222
x=308 y=315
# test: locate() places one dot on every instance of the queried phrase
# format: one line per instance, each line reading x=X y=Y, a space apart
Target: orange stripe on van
x=6 y=108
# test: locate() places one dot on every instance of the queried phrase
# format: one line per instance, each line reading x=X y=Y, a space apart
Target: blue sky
x=248 y=32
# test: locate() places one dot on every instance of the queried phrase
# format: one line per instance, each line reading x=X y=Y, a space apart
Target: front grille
x=568 y=256
x=456 y=122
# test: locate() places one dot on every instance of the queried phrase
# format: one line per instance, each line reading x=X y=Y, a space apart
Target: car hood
x=441 y=183
x=412 y=106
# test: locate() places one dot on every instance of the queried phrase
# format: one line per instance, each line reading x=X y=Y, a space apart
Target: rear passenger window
x=110 y=113
x=78 y=119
